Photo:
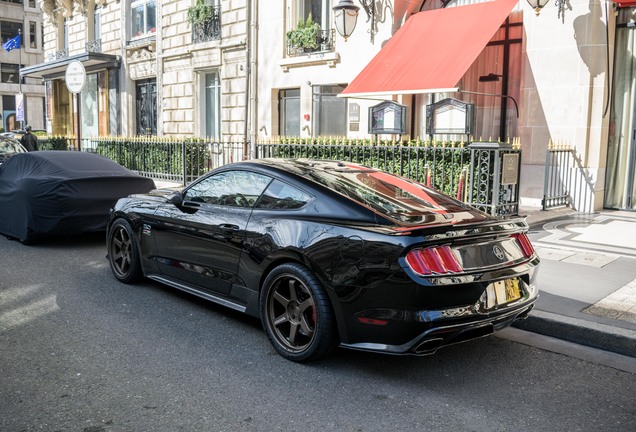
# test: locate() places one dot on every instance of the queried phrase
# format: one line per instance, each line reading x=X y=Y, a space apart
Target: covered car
x=61 y=193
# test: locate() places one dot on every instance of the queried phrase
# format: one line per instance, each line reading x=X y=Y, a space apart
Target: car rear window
x=279 y=195
x=389 y=194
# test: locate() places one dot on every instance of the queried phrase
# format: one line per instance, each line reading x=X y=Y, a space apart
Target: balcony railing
x=58 y=55
x=94 y=46
x=325 y=40
x=208 y=30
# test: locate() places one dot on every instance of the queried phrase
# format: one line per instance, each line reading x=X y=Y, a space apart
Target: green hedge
x=153 y=155
x=440 y=165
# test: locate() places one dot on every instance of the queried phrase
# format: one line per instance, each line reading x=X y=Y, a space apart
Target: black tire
x=123 y=253
x=296 y=314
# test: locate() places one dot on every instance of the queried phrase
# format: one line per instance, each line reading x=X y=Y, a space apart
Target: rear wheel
x=296 y=314
x=123 y=253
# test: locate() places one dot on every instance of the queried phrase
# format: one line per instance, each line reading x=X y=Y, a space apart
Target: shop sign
x=75 y=77
x=449 y=116
x=387 y=118
x=510 y=170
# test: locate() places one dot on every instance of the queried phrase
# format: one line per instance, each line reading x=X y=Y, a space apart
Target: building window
x=289 y=112
x=94 y=44
x=146 y=104
x=32 y=3
x=329 y=111
x=97 y=24
x=16 y=1
x=8 y=112
x=89 y=109
x=210 y=29
x=299 y=11
x=9 y=30
x=32 y=35
x=9 y=73
x=143 y=18
x=65 y=38
x=212 y=114
x=319 y=10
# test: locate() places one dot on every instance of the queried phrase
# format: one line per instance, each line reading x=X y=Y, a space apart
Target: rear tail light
x=524 y=243
x=433 y=261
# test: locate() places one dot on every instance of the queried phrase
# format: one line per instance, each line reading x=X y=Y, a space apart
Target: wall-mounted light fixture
x=537 y=5
x=346 y=16
x=491 y=77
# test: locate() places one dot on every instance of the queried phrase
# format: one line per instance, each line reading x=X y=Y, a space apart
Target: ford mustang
x=330 y=254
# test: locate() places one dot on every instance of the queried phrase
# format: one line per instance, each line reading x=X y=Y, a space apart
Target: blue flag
x=12 y=43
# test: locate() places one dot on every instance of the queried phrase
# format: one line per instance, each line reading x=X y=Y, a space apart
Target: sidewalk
x=587 y=278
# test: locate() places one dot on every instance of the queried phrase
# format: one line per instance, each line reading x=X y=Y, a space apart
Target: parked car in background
x=17 y=134
x=330 y=253
x=61 y=193
x=9 y=147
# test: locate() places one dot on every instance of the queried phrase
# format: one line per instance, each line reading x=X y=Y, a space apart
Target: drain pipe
x=251 y=87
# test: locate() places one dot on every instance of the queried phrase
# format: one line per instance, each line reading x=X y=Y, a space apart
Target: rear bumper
x=441 y=335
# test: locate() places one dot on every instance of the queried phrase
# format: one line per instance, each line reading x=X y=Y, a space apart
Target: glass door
x=146 y=107
x=620 y=191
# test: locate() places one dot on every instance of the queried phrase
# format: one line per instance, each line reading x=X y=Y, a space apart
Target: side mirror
x=176 y=198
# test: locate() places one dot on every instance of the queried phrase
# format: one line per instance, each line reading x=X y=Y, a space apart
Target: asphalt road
x=81 y=352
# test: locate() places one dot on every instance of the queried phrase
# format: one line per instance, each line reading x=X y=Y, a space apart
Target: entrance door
x=620 y=179
x=146 y=107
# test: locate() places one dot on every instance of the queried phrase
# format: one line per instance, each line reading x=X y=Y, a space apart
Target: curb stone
x=596 y=335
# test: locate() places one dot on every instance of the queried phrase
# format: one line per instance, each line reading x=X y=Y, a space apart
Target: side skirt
x=198 y=293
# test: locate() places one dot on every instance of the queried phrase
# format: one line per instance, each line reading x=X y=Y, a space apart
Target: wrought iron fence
x=475 y=174
x=478 y=174
x=178 y=161
x=566 y=182
x=439 y=167
x=494 y=178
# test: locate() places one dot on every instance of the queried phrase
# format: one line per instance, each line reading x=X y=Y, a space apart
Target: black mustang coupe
x=330 y=254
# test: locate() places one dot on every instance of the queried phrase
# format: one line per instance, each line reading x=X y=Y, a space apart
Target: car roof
x=68 y=164
x=401 y=200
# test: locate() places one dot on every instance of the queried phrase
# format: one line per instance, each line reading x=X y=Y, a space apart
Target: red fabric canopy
x=625 y=3
x=431 y=51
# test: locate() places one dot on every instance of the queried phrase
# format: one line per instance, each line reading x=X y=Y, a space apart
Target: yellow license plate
x=502 y=292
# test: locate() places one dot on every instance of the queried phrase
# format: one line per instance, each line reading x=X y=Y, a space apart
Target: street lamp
x=345 y=17
x=537 y=5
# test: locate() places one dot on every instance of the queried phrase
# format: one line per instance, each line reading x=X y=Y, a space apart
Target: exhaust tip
x=429 y=346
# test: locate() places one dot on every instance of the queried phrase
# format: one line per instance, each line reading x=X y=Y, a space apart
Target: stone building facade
x=557 y=68
x=148 y=70
x=558 y=77
x=25 y=16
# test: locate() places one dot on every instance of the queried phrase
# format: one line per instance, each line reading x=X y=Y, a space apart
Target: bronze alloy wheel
x=122 y=252
x=296 y=314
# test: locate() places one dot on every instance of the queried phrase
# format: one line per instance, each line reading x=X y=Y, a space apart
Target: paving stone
x=590 y=259
x=553 y=254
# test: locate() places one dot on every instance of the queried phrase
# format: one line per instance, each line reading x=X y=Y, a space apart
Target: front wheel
x=296 y=314
x=123 y=253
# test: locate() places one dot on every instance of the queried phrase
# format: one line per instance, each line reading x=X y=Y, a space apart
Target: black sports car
x=61 y=193
x=330 y=253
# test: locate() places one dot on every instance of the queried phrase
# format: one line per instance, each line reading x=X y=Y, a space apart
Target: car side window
x=280 y=195
x=229 y=188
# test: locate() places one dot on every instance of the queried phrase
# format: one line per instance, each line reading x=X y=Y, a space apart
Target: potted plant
x=199 y=13
x=305 y=35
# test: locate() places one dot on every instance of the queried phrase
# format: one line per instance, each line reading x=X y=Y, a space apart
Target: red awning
x=431 y=51
x=625 y=3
